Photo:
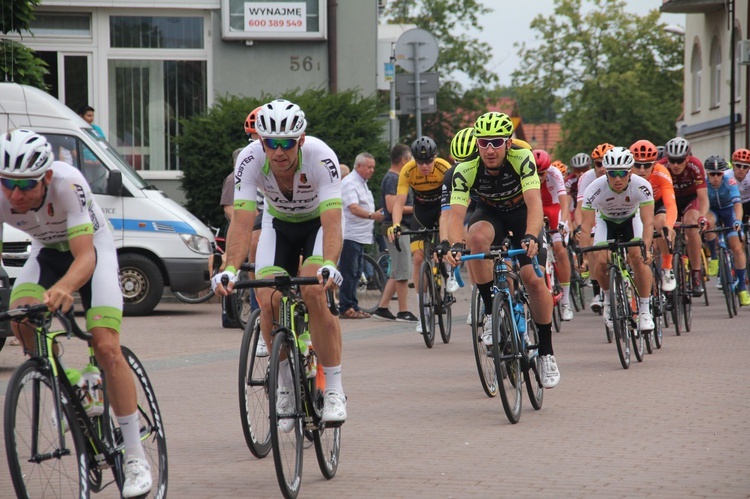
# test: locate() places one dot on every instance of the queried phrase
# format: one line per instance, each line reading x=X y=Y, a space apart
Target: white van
x=158 y=241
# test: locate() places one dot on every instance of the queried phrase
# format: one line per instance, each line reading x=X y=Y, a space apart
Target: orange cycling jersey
x=661 y=184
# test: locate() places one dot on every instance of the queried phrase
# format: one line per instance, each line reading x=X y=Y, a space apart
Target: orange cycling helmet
x=542 y=159
x=599 y=151
x=560 y=166
x=644 y=151
x=250 y=121
x=741 y=155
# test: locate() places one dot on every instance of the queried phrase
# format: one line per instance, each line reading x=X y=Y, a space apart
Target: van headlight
x=198 y=244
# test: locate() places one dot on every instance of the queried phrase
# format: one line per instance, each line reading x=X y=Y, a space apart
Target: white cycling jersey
x=617 y=206
x=743 y=186
x=583 y=182
x=555 y=184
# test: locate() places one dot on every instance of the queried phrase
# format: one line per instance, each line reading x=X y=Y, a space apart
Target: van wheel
x=141 y=284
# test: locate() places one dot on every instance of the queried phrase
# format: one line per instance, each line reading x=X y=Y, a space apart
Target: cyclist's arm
x=534 y=211
x=564 y=208
x=445 y=217
x=238 y=236
x=398 y=209
x=647 y=218
x=670 y=203
x=588 y=219
x=737 y=211
x=330 y=220
x=703 y=203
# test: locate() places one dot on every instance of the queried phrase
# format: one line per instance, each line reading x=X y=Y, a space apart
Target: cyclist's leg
x=694 y=246
x=640 y=269
x=484 y=230
x=713 y=264
x=660 y=220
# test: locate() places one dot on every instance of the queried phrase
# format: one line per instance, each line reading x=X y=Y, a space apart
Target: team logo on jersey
x=627 y=199
x=645 y=190
x=333 y=171
x=50 y=210
x=81 y=194
x=459 y=183
x=302 y=178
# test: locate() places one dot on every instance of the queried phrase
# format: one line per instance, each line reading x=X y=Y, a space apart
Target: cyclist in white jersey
x=72 y=250
x=740 y=167
x=622 y=207
x=301 y=180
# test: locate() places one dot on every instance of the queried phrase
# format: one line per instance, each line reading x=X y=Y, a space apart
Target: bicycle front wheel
x=371 y=285
x=679 y=294
x=725 y=277
x=532 y=372
x=445 y=320
x=42 y=464
x=483 y=357
x=287 y=416
x=327 y=439
x=620 y=316
x=253 y=390
x=507 y=358
x=426 y=295
x=193 y=298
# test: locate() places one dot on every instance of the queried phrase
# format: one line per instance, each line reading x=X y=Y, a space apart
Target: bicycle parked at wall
x=515 y=341
x=54 y=447
x=288 y=426
x=435 y=302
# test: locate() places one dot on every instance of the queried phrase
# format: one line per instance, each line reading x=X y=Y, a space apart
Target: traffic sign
x=426 y=50
x=428 y=83
x=408 y=103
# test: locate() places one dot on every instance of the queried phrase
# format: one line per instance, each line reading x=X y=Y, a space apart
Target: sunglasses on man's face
x=24 y=184
x=644 y=166
x=618 y=173
x=284 y=144
x=715 y=174
x=598 y=164
x=423 y=162
x=742 y=166
x=495 y=143
x=676 y=161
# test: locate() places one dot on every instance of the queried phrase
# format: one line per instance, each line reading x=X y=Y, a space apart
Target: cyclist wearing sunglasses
x=726 y=207
x=505 y=181
x=424 y=175
x=72 y=249
x=689 y=180
x=645 y=154
x=740 y=167
x=301 y=180
x=621 y=206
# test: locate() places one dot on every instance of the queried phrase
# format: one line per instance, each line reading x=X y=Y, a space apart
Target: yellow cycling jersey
x=427 y=188
x=521 y=143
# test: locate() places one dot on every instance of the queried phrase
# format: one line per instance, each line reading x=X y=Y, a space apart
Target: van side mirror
x=114 y=183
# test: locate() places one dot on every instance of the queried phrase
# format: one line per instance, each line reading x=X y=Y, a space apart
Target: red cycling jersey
x=692 y=178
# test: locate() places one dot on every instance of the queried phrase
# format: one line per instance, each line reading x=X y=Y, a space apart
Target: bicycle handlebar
x=499 y=252
x=665 y=234
x=611 y=246
x=67 y=320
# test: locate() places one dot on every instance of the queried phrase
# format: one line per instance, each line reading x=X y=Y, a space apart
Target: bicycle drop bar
x=420 y=232
x=612 y=246
x=67 y=320
x=665 y=234
x=498 y=252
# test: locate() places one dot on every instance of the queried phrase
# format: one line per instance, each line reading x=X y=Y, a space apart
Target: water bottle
x=93 y=378
x=520 y=317
x=305 y=346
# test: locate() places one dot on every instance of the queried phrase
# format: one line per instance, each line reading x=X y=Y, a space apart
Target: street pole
x=417 y=94
x=732 y=83
x=392 y=113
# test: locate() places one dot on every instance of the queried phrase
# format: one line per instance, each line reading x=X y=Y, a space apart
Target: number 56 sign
x=275 y=16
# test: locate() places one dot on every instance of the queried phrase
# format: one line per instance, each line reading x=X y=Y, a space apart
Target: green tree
x=347 y=122
x=617 y=77
x=451 y=22
x=17 y=62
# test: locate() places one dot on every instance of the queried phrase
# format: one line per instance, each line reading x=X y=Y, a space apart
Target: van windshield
x=124 y=166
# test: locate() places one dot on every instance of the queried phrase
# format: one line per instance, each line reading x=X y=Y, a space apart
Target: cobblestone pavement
x=421 y=426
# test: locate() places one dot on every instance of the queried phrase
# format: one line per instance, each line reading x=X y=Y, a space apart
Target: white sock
x=605 y=296
x=131 y=435
x=566 y=294
x=644 y=305
x=333 y=379
x=285 y=374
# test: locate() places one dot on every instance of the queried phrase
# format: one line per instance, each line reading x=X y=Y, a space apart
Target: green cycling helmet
x=493 y=124
x=464 y=144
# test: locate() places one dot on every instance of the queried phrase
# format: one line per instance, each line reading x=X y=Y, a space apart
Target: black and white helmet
x=677 y=148
x=24 y=154
x=618 y=158
x=581 y=160
x=280 y=119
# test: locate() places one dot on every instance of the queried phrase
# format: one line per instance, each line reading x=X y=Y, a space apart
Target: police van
x=159 y=243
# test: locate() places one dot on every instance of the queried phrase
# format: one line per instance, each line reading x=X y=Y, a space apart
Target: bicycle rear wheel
x=679 y=294
x=687 y=299
x=532 y=371
x=371 y=285
x=40 y=463
x=193 y=298
x=151 y=423
x=287 y=437
x=253 y=391
x=507 y=358
x=620 y=316
x=725 y=277
x=327 y=439
x=445 y=320
x=485 y=364
x=426 y=294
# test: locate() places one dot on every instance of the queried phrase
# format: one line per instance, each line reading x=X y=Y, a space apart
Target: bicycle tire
x=151 y=423
x=287 y=445
x=532 y=372
x=506 y=356
x=576 y=294
x=704 y=276
x=384 y=262
x=253 y=391
x=370 y=289
x=201 y=296
x=426 y=304
x=556 y=317
x=239 y=303
x=327 y=439
x=687 y=302
x=485 y=364
x=724 y=276
x=679 y=293
x=445 y=320
x=620 y=316
x=30 y=416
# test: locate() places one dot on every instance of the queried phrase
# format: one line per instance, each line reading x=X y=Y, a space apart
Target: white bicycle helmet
x=581 y=160
x=24 y=154
x=618 y=158
x=677 y=148
x=280 y=119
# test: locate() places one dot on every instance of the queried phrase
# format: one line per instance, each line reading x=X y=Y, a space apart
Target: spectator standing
x=398 y=280
x=359 y=218
x=345 y=170
x=87 y=113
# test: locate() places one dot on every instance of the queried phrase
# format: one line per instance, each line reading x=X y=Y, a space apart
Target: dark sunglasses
x=644 y=166
x=742 y=166
x=598 y=164
x=495 y=143
x=715 y=174
x=424 y=161
x=23 y=184
x=618 y=173
x=284 y=144
x=675 y=161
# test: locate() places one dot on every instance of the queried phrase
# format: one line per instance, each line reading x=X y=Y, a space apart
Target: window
x=715 y=68
x=156 y=32
x=273 y=19
x=696 y=69
x=61 y=24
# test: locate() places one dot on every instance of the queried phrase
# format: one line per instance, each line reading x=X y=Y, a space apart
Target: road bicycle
x=371 y=285
x=54 y=448
x=553 y=282
x=577 y=282
x=515 y=341
x=680 y=301
x=658 y=304
x=623 y=299
x=435 y=303
x=727 y=280
x=290 y=344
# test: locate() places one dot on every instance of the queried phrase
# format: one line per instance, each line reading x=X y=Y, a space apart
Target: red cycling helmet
x=741 y=155
x=542 y=159
x=644 y=151
x=250 y=121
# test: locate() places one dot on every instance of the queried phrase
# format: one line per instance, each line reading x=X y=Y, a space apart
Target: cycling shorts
x=511 y=224
x=628 y=230
x=101 y=296
x=281 y=244
x=725 y=217
x=427 y=216
x=552 y=212
x=686 y=203
x=659 y=208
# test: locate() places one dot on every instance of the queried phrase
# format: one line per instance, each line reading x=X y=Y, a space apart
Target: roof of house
x=543 y=135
